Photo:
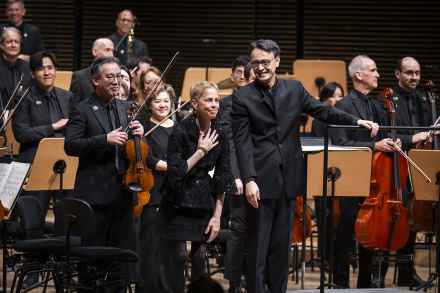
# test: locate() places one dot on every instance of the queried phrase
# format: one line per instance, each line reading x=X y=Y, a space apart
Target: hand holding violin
x=136 y=128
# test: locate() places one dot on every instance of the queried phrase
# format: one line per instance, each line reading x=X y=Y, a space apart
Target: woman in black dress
x=158 y=108
x=193 y=202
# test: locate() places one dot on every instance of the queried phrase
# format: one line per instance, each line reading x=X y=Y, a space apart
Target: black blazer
x=267 y=135
x=31 y=122
x=354 y=105
x=97 y=180
x=81 y=85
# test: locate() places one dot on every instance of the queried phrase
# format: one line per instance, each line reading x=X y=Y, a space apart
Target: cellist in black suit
x=266 y=119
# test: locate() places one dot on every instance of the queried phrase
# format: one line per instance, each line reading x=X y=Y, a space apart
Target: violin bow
x=165 y=118
x=157 y=82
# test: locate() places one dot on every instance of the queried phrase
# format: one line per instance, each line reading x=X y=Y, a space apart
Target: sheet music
x=11 y=179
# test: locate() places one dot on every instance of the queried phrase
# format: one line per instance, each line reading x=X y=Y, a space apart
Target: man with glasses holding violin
x=95 y=134
x=266 y=116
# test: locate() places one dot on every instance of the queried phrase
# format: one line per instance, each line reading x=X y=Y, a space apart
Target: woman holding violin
x=193 y=201
x=159 y=107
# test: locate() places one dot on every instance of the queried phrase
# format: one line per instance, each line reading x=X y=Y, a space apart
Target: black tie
x=119 y=165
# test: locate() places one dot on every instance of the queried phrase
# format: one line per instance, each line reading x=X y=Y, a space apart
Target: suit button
x=280 y=146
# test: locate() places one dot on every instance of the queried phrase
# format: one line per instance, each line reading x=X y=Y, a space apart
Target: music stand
x=429 y=161
x=52 y=168
x=349 y=171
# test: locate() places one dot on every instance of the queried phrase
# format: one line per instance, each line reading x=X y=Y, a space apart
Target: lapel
x=358 y=105
x=63 y=102
x=40 y=104
x=99 y=113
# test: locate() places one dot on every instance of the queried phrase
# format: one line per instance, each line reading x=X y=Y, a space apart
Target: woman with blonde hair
x=193 y=201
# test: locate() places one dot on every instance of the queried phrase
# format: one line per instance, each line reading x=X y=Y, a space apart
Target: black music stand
x=429 y=161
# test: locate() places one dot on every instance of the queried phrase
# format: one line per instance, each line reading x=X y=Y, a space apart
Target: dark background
x=385 y=30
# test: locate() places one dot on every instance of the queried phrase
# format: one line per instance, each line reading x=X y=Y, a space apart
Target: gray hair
x=357 y=64
x=6 y=30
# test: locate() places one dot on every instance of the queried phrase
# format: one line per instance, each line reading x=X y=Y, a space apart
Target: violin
x=299 y=228
x=138 y=178
x=382 y=221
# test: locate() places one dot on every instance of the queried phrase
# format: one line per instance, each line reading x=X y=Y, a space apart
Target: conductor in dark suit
x=266 y=120
x=96 y=134
x=43 y=112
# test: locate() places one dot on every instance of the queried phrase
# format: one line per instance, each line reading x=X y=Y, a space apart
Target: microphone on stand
x=208 y=43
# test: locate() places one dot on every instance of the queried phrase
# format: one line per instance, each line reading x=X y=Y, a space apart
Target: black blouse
x=158 y=143
x=195 y=191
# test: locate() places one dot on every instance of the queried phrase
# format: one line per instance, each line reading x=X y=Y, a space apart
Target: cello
x=382 y=221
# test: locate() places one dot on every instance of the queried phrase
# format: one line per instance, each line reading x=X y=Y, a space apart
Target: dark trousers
x=269 y=229
x=149 y=240
x=114 y=227
x=174 y=256
x=235 y=246
x=340 y=244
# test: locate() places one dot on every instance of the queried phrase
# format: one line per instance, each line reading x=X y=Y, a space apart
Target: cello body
x=382 y=222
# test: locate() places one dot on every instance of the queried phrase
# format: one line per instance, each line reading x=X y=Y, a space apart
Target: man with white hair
x=81 y=84
x=12 y=68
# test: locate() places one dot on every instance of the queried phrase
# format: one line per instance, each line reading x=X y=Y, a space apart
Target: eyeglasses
x=116 y=77
x=265 y=62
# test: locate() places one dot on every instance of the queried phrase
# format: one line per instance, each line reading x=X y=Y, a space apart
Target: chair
x=78 y=219
x=37 y=253
x=314 y=74
x=63 y=79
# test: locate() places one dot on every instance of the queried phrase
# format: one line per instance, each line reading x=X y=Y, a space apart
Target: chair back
x=30 y=217
x=75 y=217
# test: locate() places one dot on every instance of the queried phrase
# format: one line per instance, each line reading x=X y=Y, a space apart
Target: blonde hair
x=199 y=88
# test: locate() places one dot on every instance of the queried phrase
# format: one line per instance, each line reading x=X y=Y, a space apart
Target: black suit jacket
x=31 y=122
x=354 y=105
x=97 y=180
x=81 y=85
x=266 y=135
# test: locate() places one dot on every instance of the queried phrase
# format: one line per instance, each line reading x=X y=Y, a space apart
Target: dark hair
x=132 y=62
x=36 y=60
x=241 y=60
x=268 y=46
x=205 y=285
x=123 y=67
x=328 y=91
x=247 y=71
x=99 y=62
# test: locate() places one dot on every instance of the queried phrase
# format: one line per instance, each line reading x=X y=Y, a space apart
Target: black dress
x=149 y=225
x=190 y=197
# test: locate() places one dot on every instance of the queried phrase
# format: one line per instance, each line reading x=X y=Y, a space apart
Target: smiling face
x=15 y=13
x=107 y=82
x=161 y=106
x=264 y=65
x=207 y=105
x=11 y=45
x=46 y=74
